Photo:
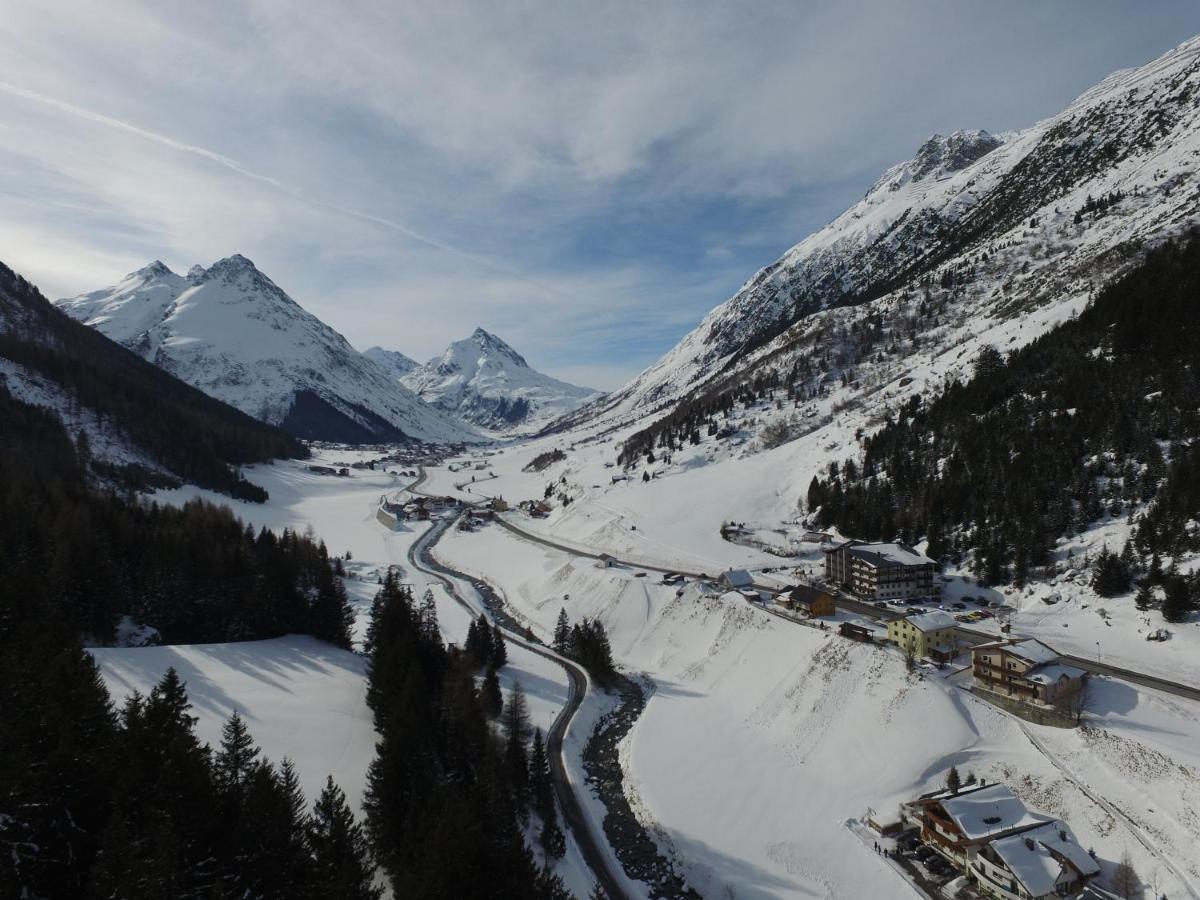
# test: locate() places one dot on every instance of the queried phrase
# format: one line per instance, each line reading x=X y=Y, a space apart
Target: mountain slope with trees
x=161 y=430
x=1095 y=420
x=975 y=225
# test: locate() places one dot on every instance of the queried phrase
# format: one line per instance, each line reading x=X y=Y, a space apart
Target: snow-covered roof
x=1052 y=673
x=738 y=578
x=1028 y=855
x=991 y=810
x=931 y=621
x=895 y=554
x=1033 y=651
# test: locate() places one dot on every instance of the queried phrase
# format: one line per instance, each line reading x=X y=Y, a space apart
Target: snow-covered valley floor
x=305 y=699
x=762 y=740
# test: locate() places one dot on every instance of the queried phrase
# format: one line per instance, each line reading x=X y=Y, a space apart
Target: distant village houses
x=880 y=571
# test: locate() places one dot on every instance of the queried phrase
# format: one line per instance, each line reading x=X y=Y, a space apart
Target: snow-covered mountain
x=486 y=382
x=232 y=332
x=393 y=362
x=1006 y=223
x=137 y=424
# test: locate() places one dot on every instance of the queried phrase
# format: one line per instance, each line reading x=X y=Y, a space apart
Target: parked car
x=958 y=606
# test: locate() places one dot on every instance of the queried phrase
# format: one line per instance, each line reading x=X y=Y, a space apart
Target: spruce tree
x=499 y=657
x=234 y=763
x=490 y=696
x=429 y=617
x=953 y=781
x=516 y=727
x=1177 y=601
x=1145 y=596
x=562 y=632
x=342 y=866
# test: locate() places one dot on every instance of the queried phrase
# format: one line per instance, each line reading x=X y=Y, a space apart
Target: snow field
x=763 y=738
x=300 y=698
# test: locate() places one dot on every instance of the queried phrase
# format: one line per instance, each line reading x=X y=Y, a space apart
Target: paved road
x=969 y=636
x=592 y=846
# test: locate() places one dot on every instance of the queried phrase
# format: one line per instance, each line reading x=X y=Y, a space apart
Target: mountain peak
x=155 y=269
x=485 y=340
x=486 y=382
x=940 y=156
x=231 y=266
x=230 y=331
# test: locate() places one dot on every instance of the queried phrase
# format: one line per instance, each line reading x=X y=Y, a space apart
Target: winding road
x=968 y=635
x=591 y=845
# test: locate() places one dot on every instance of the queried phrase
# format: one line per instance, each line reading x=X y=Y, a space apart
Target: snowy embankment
x=764 y=737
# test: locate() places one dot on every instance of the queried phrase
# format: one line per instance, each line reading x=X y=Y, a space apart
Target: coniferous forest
x=1094 y=420
x=448 y=794
x=105 y=804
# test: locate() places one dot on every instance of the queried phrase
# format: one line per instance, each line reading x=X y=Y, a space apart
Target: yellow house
x=924 y=633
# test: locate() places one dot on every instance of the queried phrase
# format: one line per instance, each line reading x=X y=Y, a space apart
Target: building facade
x=808 y=600
x=1025 y=670
x=924 y=634
x=881 y=571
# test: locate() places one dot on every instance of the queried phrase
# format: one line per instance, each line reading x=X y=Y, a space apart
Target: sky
x=587 y=180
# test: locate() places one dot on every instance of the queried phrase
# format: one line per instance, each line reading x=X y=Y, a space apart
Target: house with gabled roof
x=1026 y=670
x=1009 y=851
x=736 y=579
x=924 y=634
x=1041 y=863
x=957 y=824
x=808 y=600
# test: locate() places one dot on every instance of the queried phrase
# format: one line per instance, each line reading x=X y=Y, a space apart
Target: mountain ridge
x=1058 y=202
x=232 y=332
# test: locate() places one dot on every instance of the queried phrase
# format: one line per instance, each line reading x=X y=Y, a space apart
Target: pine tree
x=499 y=657
x=1145 y=596
x=342 y=864
x=542 y=792
x=562 y=632
x=490 y=696
x=429 y=617
x=235 y=761
x=516 y=726
x=953 y=781
x=1177 y=601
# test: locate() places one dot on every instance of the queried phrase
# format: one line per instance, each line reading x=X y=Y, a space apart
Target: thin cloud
x=235 y=166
